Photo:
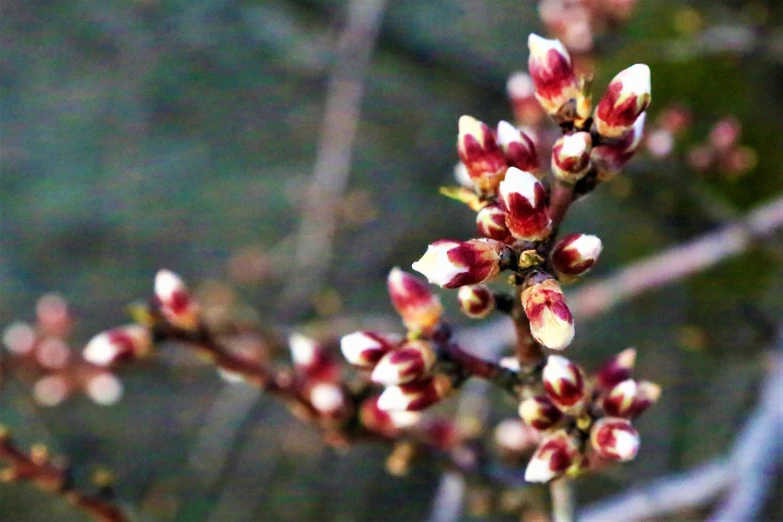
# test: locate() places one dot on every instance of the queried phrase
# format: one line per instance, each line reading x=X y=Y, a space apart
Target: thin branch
x=562 y=492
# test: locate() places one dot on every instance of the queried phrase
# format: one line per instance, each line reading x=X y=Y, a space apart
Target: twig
x=562 y=493
x=335 y=151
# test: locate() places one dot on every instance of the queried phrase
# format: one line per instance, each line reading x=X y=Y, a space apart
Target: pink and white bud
x=647 y=394
x=51 y=390
x=118 y=345
x=574 y=255
x=479 y=152
x=523 y=198
x=52 y=353
x=377 y=420
x=19 y=338
x=564 y=384
x=614 y=439
x=554 y=455
x=725 y=134
x=329 y=399
x=476 y=301
x=176 y=304
x=608 y=160
x=620 y=400
x=419 y=308
x=416 y=395
x=539 y=412
x=412 y=361
x=521 y=92
x=627 y=96
x=104 y=388
x=616 y=370
x=551 y=322
x=553 y=76
x=491 y=223
x=310 y=359
x=452 y=264
x=517 y=146
x=364 y=349
x=571 y=157
x=54 y=317
x=513 y=436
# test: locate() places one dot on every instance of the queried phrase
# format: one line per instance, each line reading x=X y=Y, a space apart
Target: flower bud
x=512 y=436
x=310 y=359
x=377 y=420
x=329 y=399
x=364 y=349
x=412 y=361
x=553 y=77
x=517 y=146
x=614 y=439
x=476 y=301
x=551 y=323
x=647 y=394
x=608 y=160
x=452 y=264
x=627 y=96
x=564 y=384
x=552 y=458
x=117 y=345
x=176 y=304
x=539 y=412
x=521 y=92
x=616 y=370
x=416 y=395
x=620 y=400
x=491 y=223
x=480 y=153
x=574 y=255
x=419 y=308
x=571 y=157
x=523 y=198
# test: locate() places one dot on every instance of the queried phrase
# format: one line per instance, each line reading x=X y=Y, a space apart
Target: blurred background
x=283 y=155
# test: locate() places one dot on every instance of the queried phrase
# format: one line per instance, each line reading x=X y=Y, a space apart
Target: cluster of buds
x=585 y=422
x=320 y=378
x=41 y=354
x=722 y=152
x=577 y=23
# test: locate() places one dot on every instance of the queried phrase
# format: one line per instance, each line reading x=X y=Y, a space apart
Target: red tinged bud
x=647 y=394
x=415 y=396
x=175 y=302
x=614 y=439
x=118 y=345
x=627 y=96
x=609 y=159
x=311 y=360
x=523 y=198
x=571 y=157
x=364 y=349
x=551 y=322
x=412 y=361
x=616 y=370
x=452 y=264
x=377 y=420
x=419 y=308
x=517 y=146
x=476 y=301
x=620 y=400
x=552 y=73
x=554 y=455
x=539 y=412
x=491 y=223
x=574 y=255
x=564 y=384
x=479 y=152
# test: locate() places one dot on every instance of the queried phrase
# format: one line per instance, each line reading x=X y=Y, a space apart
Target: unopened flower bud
x=523 y=198
x=416 y=395
x=627 y=96
x=552 y=458
x=647 y=394
x=553 y=76
x=412 y=361
x=513 y=436
x=377 y=420
x=481 y=155
x=517 y=146
x=564 y=384
x=620 y=400
x=539 y=412
x=551 y=323
x=176 y=304
x=571 y=157
x=491 y=223
x=521 y=91
x=614 y=439
x=608 y=160
x=452 y=264
x=310 y=359
x=364 y=349
x=419 y=308
x=476 y=301
x=329 y=399
x=117 y=345
x=616 y=370
x=574 y=255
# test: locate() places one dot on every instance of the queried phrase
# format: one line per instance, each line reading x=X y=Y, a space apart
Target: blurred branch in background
x=335 y=153
x=747 y=474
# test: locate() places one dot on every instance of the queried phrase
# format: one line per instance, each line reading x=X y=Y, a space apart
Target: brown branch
x=36 y=467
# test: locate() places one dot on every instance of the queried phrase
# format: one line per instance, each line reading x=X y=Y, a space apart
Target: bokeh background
x=183 y=134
